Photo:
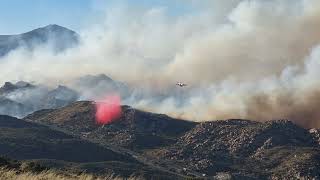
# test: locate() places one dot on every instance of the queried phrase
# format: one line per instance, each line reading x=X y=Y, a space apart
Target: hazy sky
x=18 y=16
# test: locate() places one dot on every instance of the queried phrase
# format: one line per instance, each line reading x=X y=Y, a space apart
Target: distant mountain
x=93 y=87
x=239 y=149
x=59 y=97
x=13 y=108
x=58 y=37
x=22 y=98
x=9 y=87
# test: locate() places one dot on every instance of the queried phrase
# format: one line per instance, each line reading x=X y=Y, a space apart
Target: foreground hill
x=248 y=149
x=23 y=140
x=59 y=38
x=220 y=149
x=13 y=169
x=135 y=129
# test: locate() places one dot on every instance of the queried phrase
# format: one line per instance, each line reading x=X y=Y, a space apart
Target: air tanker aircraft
x=181 y=84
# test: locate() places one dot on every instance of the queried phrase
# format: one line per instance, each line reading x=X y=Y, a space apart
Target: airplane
x=181 y=84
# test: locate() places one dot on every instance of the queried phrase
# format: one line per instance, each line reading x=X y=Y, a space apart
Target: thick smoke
x=21 y=99
x=252 y=59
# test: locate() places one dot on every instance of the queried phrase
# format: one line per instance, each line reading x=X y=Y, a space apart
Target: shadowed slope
x=25 y=140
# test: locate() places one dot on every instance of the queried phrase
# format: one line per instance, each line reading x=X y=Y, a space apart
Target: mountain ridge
x=59 y=38
x=197 y=149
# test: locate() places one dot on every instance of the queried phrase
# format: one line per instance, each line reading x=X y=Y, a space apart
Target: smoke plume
x=251 y=59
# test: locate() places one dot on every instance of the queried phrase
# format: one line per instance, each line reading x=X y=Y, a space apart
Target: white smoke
x=252 y=59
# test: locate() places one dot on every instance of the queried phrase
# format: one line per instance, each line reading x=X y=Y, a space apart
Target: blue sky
x=17 y=16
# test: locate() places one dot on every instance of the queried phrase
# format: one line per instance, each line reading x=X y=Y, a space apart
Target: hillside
x=248 y=149
x=231 y=148
x=134 y=129
x=13 y=169
x=23 y=140
x=58 y=37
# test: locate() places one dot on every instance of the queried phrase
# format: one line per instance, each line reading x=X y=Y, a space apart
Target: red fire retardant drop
x=108 y=110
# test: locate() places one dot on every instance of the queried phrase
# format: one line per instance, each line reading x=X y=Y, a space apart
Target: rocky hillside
x=248 y=148
x=134 y=129
x=221 y=149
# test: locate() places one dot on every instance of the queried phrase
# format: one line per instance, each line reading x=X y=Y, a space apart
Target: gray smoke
x=21 y=98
